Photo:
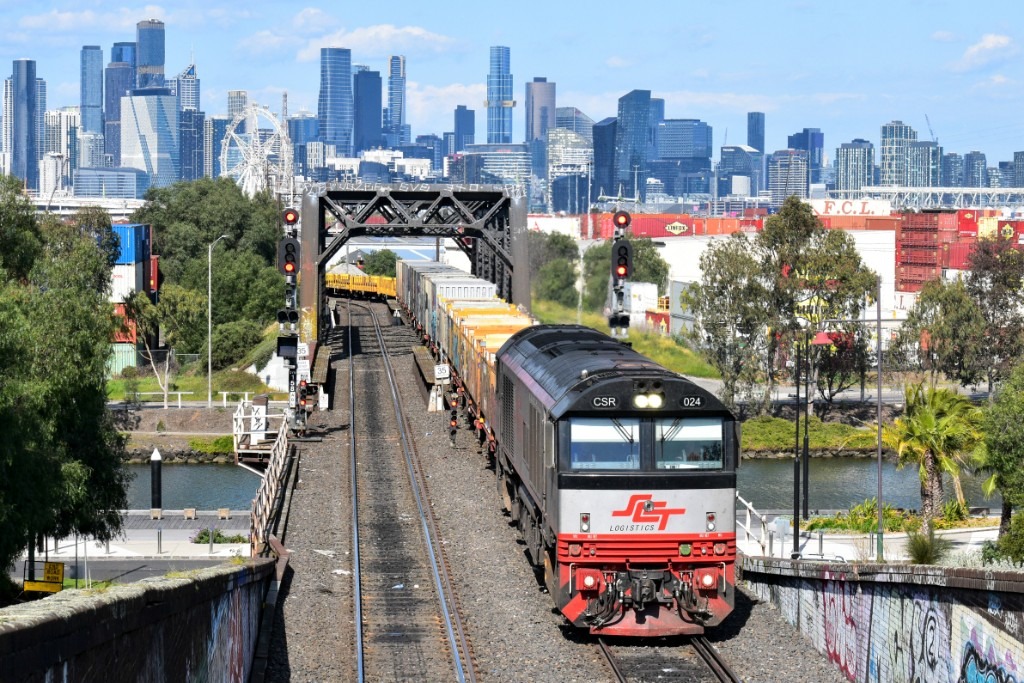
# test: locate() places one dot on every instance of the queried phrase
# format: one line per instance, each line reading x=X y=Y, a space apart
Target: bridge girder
x=486 y=222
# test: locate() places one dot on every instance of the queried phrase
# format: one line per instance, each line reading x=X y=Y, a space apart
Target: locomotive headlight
x=640 y=401
x=585 y=522
x=655 y=401
x=707 y=580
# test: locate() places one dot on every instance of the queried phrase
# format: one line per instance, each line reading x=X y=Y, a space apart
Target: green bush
x=203 y=536
x=233 y=340
x=954 y=511
x=775 y=434
x=926 y=548
x=221 y=445
x=863 y=518
x=1011 y=544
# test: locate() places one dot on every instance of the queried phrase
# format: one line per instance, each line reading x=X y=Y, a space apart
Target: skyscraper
x=738 y=161
x=91 y=89
x=368 y=127
x=149 y=54
x=1018 y=169
x=952 y=170
x=499 y=101
x=631 y=133
x=124 y=53
x=238 y=100
x=149 y=135
x=896 y=138
x=61 y=130
x=787 y=175
x=119 y=81
x=924 y=164
x=191 y=125
x=335 y=106
x=812 y=141
x=24 y=116
x=855 y=165
x=755 y=130
x=398 y=131
x=540 y=108
x=656 y=119
x=465 y=127
x=975 y=169
x=214 y=130
x=185 y=87
x=603 y=137
x=573 y=119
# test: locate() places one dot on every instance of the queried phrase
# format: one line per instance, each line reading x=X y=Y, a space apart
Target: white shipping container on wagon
x=638 y=298
x=565 y=225
x=125 y=279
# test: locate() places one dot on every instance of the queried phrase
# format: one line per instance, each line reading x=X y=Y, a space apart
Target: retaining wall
x=901 y=622
x=199 y=626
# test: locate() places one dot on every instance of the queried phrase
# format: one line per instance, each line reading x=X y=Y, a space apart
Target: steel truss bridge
x=937 y=197
x=487 y=222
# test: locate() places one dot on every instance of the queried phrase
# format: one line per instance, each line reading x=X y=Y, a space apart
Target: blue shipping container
x=134 y=239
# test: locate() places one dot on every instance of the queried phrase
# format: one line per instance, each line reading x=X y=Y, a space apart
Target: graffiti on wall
x=840 y=623
x=986 y=653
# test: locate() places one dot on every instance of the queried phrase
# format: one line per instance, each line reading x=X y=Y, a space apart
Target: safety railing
x=267 y=496
x=160 y=393
x=750 y=514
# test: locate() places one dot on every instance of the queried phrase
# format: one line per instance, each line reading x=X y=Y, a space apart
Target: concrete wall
x=901 y=622
x=199 y=626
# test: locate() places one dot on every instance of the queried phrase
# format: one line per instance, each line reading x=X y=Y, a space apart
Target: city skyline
x=847 y=71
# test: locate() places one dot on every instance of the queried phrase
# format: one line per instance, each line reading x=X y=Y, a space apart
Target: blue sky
x=846 y=68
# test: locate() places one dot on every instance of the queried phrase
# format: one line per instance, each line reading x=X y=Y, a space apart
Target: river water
x=835 y=483
x=204 y=487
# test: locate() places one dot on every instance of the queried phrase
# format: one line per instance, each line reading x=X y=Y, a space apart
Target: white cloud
x=313 y=19
x=120 y=20
x=378 y=40
x=943 y=36
x=432 y=107
x=991 y=48
x=265 y=42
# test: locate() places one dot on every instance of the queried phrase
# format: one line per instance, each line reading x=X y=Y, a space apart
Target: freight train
x=620 y=474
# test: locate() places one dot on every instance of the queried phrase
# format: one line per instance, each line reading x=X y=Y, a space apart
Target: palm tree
x=936 y=432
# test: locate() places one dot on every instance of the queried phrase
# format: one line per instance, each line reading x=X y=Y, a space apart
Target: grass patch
x=220 y=445
x=236 y=381
x=663 y=350
x=203 y=536
x=774 y=434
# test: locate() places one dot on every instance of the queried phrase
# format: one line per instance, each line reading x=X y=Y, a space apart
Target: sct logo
x=641 y=508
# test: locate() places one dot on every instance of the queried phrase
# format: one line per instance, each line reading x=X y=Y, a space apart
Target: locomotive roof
x=554 y=357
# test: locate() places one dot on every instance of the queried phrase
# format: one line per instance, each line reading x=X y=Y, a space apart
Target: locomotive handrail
x=745 y=525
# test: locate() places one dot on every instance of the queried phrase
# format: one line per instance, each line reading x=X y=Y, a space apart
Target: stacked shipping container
x=135 y=270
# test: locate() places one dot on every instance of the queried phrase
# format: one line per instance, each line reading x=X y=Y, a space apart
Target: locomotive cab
x=630 y=502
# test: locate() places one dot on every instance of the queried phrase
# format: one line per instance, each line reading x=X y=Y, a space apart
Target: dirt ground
x=172 y=428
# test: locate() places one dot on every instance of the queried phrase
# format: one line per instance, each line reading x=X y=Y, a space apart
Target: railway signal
x=290 y=216
x=621 y=221
x=303 y=394
x=453 y=426
x=622 y=259
x=288 y=258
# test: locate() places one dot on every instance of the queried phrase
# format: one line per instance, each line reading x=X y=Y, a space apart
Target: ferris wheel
x=256 y=152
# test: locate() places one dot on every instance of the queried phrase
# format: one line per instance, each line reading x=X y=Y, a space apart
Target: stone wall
x=901 y=622
x=199 y=625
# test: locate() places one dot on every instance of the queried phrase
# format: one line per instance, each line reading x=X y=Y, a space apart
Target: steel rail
x=714 y=660
x=441 y=581
x=356 y=574
x=610 y=658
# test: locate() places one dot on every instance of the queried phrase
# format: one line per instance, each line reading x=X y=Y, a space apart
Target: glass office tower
x=499 y=97
x=335 y=105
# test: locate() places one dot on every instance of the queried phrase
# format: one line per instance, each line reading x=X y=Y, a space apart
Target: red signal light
x=621 y=219
x=290 y=216
x=621 y=271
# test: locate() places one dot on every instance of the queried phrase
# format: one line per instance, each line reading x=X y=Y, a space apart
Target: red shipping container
x=700 y=226
x=882 y=223
x=126 y=334
x=153 y=276
x=967 y=221
x=658 y=321
x=957 y=255
x=947 y=221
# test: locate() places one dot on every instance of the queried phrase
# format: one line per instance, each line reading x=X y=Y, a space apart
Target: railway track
x=407 y=624
x=640 y=662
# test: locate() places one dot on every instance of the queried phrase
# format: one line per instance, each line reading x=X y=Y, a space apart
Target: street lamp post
x=209 y=323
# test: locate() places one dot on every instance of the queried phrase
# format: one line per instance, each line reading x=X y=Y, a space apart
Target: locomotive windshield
x=605 y=444
x=683 y=443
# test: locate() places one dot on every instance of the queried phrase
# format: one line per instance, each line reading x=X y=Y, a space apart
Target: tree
x=556 y=282
x=731 y=316
x=1002 y=456
x=61 y=458
x=945 y=332
x=94 y=222
x=177 y=316
x=381 y=262
x=648 y=266
x=19 y=231
x=995 y=282
x=937 y=431
x=550 y=246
